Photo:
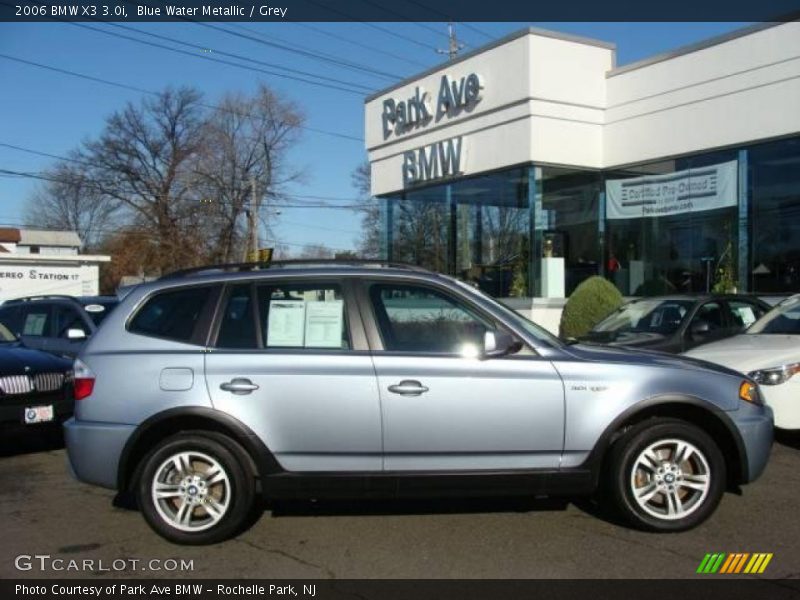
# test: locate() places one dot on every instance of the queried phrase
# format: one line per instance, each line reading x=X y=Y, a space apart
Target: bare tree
x=245 y=152
x=70 y=201
x=140 y=160
x=369 y=245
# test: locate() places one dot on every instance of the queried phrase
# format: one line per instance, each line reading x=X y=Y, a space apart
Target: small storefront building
x=36 y=262
x=534 y=162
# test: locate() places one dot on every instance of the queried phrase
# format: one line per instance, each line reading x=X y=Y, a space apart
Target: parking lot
x=45 y=512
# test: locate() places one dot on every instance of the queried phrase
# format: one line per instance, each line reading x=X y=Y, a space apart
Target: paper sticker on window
x=34 y=324
x=286 y=323
x=324 y=324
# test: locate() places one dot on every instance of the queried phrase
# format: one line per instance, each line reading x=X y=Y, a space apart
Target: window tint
x=36 y=320
x=172 y=315
x=303 y=316
x=417 y=319
x=238 y=327
x=743 y=314
x=66 y=318
x=10 y=318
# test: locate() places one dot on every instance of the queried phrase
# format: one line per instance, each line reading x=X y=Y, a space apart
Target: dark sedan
x=35 y=387
x=677 y=323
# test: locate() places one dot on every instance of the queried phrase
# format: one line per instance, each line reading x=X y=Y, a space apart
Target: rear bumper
x=755 y=427
x=94 y=450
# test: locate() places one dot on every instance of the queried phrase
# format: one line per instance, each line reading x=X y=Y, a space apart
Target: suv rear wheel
x=666 y=475
x=196 y=489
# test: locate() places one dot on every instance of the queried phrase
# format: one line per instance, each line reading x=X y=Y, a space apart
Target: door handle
x=408 y=387
x=238 y=386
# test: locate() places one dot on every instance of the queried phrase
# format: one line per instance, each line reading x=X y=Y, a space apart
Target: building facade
x=36 y=262
x=533 y=163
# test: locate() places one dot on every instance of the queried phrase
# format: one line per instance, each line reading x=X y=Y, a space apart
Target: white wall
x=559 y=101
x=745 y=89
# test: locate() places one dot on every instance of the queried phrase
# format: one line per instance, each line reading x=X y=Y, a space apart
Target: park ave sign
x=443 y=158
x=455 y=95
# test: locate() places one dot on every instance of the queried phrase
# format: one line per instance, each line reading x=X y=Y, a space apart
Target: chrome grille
x=48 y=382
x=16 y=384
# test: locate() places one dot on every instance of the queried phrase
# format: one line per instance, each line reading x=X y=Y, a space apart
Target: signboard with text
x=33 y=280
x=691 y=190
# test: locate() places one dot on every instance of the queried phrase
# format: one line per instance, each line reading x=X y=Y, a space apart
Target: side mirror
x=499 y=343
x=699 y=329
x=76 y=334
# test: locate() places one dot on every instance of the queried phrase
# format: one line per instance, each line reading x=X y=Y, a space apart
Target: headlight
x=749 y=393
x=775 y=375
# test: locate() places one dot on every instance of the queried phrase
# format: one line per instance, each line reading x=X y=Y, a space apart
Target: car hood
x=653 y=358
x=624 y=338
x=751 y=351
x=14 y=358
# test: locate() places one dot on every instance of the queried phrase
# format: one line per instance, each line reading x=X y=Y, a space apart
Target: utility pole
x=454 y=46
x=251 y=247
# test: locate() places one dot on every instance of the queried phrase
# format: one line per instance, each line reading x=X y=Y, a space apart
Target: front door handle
x=238 y=386
x=408 y=387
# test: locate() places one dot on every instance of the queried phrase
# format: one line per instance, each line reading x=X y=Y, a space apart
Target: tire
x=652 y=488
x=207 y=489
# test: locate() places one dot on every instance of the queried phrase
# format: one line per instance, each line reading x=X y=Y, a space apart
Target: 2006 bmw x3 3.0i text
x=312 y=379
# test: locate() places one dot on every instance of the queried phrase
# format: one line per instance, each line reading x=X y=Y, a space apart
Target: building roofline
x=701 y=45
x=558 y=35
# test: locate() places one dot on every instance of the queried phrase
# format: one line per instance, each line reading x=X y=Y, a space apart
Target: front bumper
x=755 y=426
x=94 y=450
x=12 y=409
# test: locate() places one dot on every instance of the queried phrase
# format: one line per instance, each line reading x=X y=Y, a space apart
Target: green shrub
x=591 y=302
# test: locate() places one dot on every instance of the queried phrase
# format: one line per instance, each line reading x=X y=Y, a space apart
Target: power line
x=263 y=39
x=276 y=197
x=349 y=90
x=152 y=93
x=449 y=17
x=357 y=44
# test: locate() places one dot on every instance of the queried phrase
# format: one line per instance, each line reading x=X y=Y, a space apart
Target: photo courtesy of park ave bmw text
x=404 y=299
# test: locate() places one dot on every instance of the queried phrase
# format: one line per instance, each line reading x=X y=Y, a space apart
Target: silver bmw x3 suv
x=212 y=387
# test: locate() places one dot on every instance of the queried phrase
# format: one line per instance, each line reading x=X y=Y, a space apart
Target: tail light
x=83 y=380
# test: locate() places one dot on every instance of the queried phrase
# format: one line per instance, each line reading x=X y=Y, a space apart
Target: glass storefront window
x=775 y=215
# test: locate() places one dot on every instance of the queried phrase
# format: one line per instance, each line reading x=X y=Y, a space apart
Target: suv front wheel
x=666 y=475
x=196 y=489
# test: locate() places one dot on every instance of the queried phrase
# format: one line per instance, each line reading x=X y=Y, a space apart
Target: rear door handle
x=408 y=387
x=239 y=386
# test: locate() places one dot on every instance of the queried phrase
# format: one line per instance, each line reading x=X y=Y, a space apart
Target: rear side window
x=36 y=320
x=172 y=315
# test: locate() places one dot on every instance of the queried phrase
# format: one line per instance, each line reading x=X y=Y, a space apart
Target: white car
x=769 y=352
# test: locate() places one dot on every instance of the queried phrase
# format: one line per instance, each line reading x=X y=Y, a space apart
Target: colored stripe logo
x=737 y=562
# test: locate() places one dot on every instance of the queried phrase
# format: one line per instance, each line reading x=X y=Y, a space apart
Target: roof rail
x=253 y=266
x=41 y=297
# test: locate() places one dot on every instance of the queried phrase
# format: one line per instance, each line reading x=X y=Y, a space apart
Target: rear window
x=172 y=315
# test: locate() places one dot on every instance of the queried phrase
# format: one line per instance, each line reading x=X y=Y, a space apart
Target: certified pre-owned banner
x=692 y=190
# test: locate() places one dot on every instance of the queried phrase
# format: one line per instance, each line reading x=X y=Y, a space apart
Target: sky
x=53 y=113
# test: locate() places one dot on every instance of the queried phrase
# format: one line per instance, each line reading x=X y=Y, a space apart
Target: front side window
x=296 y=315
x=172 y=314
x=419 y=319
x=711 y=313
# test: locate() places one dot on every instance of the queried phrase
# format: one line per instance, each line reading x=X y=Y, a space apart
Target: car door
x=444 y=409
x=290 y=360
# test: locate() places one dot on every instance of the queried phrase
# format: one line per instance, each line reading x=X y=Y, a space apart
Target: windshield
x=529 y=326
x=646 y=316
x=6 y=336
x=783 y=319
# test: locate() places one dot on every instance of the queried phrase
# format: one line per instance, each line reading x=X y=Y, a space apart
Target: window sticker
x=324 y=324
x=34 y=324
x=286 y=323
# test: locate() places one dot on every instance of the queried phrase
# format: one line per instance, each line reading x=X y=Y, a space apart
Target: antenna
x=454 y=46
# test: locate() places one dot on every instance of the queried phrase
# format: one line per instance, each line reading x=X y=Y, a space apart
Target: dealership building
x=535 y=162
